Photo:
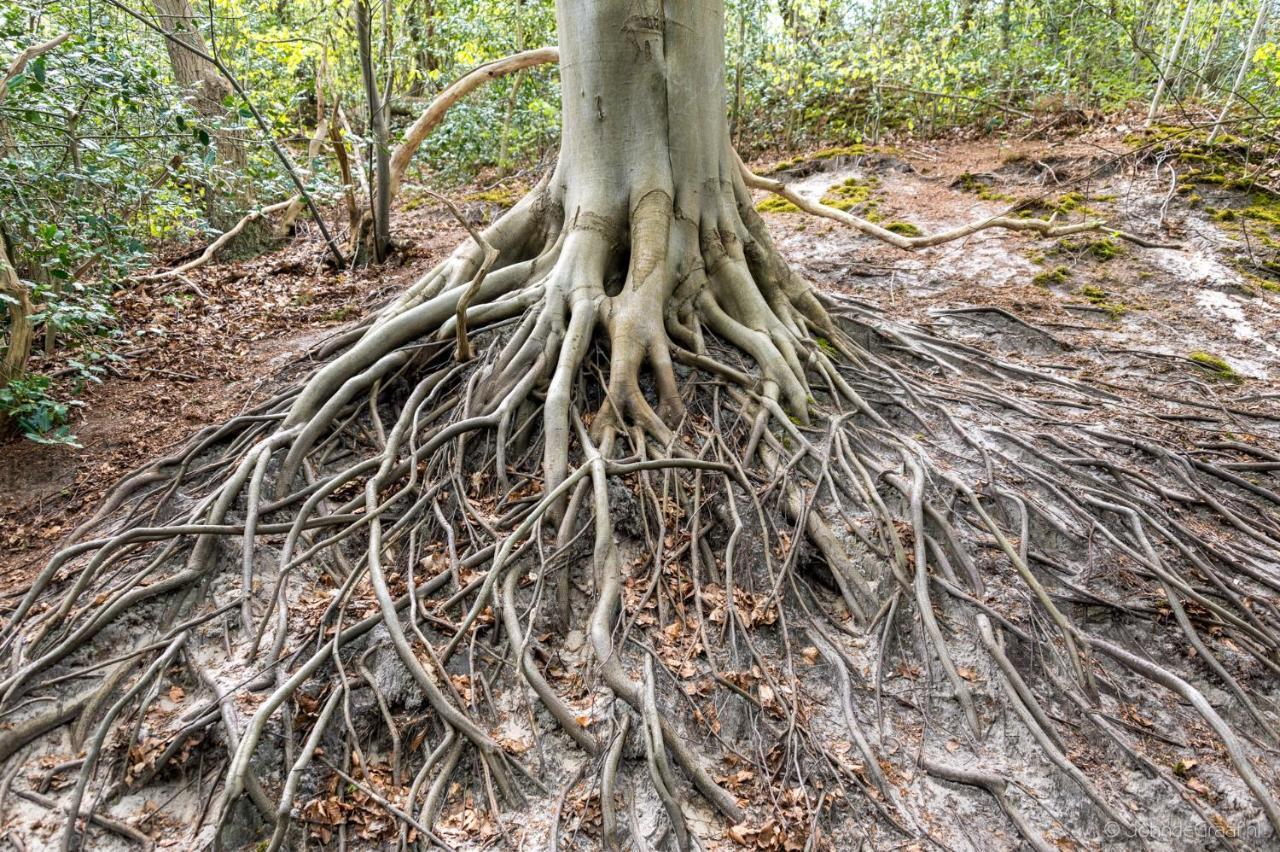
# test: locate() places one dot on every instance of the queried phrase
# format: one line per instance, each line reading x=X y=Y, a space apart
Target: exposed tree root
x=1044 y=227
x=668 y=445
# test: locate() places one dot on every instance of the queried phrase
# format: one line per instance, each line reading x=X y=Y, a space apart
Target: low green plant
x=28 y=404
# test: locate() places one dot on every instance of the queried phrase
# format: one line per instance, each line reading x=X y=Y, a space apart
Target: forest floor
x=1191 y=324
x=1189 y=319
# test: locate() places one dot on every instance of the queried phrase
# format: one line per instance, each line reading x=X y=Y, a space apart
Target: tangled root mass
x=676 y=534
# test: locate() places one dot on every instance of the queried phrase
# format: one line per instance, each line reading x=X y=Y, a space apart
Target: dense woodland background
x=110 y=161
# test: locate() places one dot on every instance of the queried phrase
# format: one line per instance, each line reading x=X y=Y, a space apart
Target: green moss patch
x=1105 y=249
x=855 y=150
x=905 y=228
x=1099 y=298
x=972 y=183
x=776 y=204
x=854 y=193
x=501 y=196
x=1057 y=275
x=1216 y=366
x=1102 y=249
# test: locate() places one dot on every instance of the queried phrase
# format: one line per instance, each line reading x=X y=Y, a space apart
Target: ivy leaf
x=202 y=135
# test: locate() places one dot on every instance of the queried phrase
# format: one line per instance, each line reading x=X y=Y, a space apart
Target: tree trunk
x=380 y=203
x=504 y=140
x=18 y=308
x=17 y=301
x=210 y=91
x=1171 y=62
x=421 y=24
x=1244 y=68
x=646 y=165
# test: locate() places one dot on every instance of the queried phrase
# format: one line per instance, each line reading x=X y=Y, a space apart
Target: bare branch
x=1044 y=227
x=440 y=105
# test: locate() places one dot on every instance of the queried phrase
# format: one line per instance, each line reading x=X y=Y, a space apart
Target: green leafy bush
x=38 y=416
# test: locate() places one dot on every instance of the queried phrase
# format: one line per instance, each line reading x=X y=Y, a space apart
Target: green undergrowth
x=28 y=405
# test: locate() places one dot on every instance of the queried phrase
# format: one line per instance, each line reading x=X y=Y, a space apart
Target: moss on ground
x=1216 y=365
x=1099 y=298
x=854 y=150
x=776 y=204
x=1057 y=275
x=851 y=193
x=502 y=196
x=1251 y=280
x=905 y=228
x=1102 y=249
x=968 y=182
x=1105 y=249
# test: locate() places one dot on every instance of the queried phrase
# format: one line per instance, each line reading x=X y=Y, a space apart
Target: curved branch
x=215 y=246
x=1044 y=227
x=460 y=88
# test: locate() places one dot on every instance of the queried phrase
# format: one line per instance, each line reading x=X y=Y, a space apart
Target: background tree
x=211 y=94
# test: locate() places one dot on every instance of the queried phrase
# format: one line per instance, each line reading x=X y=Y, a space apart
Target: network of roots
x=375 y=614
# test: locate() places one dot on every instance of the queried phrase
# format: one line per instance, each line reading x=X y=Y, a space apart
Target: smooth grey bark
x=1171 y=62
x=645 y=234
x=647 y=176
